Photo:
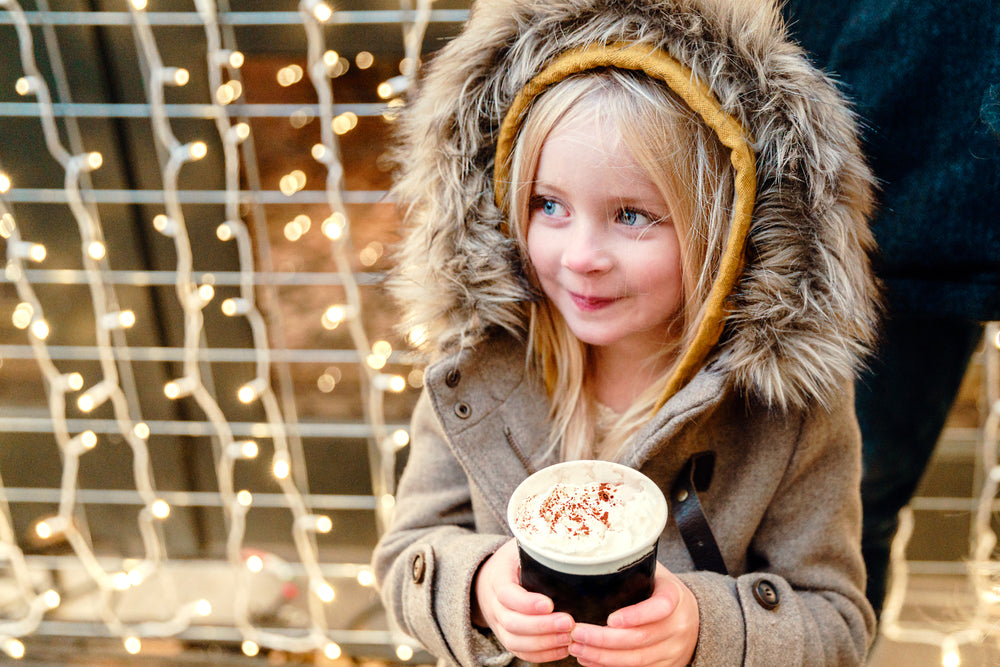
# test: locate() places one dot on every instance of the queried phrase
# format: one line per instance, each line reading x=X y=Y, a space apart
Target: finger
x=518 y=599
x=614 y=639
x=533 y=626
x=650 y=610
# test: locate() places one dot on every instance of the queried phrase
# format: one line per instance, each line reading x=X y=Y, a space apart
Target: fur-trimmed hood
x=803 y=311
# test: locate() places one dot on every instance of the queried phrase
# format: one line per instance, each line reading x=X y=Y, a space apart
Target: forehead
x=582 y=142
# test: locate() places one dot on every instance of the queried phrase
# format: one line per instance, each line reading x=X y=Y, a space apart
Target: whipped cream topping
x=588 y=519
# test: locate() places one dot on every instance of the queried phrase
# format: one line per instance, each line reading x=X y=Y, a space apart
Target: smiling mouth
x=590 y=303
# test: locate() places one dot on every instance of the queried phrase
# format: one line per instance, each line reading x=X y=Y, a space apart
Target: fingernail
x=564 y=624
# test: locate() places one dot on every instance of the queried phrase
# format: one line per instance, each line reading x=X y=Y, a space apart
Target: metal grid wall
x=201 y=394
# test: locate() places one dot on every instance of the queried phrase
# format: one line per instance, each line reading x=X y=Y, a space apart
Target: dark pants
x=903 y=401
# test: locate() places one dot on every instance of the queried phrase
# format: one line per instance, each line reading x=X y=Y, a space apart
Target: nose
x=586 y=250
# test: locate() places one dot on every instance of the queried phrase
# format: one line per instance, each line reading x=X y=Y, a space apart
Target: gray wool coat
x=784 y=507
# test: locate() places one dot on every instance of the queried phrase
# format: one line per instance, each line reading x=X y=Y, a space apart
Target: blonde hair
x=686 y=162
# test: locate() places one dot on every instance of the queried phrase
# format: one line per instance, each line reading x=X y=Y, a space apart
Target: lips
x=590 y=303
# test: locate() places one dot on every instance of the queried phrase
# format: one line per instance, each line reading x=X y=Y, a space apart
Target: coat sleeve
x=802 y=597
x=426 y=560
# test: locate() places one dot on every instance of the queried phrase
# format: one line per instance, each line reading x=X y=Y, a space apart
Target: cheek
x=540 y=250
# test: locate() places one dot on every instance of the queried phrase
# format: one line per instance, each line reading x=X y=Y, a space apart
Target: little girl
x=636 y=232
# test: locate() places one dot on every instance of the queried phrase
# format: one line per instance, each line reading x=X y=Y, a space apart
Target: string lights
x=272 y=443
x=982 y=566
x=274 y=440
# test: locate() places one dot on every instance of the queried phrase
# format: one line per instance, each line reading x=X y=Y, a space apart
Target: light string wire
x=193 y=299
x=106 y=319
x=982 y=565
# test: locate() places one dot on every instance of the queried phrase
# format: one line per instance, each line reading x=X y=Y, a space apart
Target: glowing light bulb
x=387 y=501
x=251 y=390
x=397 y=384
x=244 y=498
x=249 y=648
x=375 y=361
x=400 y=438
x=179 y=387
x=331 y=651
x=33 y=251
x=394 y=87
x=289 y=75
x=281 y=466
x=233 y=307
x=246 y=449
x=95 y=160
x=160 y=509
x=366 y=577
x=255 y=563
x=325 y=592
x=417 y=336
x=120 y=581
x=4 y=182
x=404 y=652
x=52 y=599
x=40 y=329
x=382 y=348
x=133 y=645
x=332 y=317
x=23 y=313
x=198 y=150
x=83 y=442
x=139 y=4
x=323 y=524
x=224 y=232
x=322 y=12
x=203 y=607
x=136 y=577
x=96 y=250
x=74 y=381
x=951 y=659
x=345 y=122
x=124 y=319
x=320 y=153
x=293 y=231
x=24 y=86
x=242 y=131
x=164 y=225
x=333 y=227
x=51 y=526
x=364 y=60
x=141 y=431
x=206 y=292
x=14 y=648
x=236 y=59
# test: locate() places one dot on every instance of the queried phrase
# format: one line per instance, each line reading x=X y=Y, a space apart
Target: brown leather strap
x=696 y=475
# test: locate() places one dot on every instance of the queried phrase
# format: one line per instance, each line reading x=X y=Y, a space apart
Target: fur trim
x=803 y=312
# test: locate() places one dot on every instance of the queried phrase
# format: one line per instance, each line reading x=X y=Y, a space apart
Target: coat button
x=418 y=568
x=766 y=594
x=462 y=410
x=452 y=378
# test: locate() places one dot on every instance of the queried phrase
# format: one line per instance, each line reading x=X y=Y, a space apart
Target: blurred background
x=203 y=399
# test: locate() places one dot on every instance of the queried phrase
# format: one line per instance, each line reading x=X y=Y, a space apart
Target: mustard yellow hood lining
x=659 y=65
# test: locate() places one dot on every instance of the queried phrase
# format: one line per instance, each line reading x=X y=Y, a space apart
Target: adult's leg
x=903 y=401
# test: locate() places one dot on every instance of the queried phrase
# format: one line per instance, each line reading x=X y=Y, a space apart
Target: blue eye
x=548 y=207
x=633 y=218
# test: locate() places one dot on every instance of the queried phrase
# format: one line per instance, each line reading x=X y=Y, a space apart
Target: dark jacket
x=925 y=78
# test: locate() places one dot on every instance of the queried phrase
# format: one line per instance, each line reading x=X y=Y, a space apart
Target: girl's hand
x=661 y=631
x=522 y=621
